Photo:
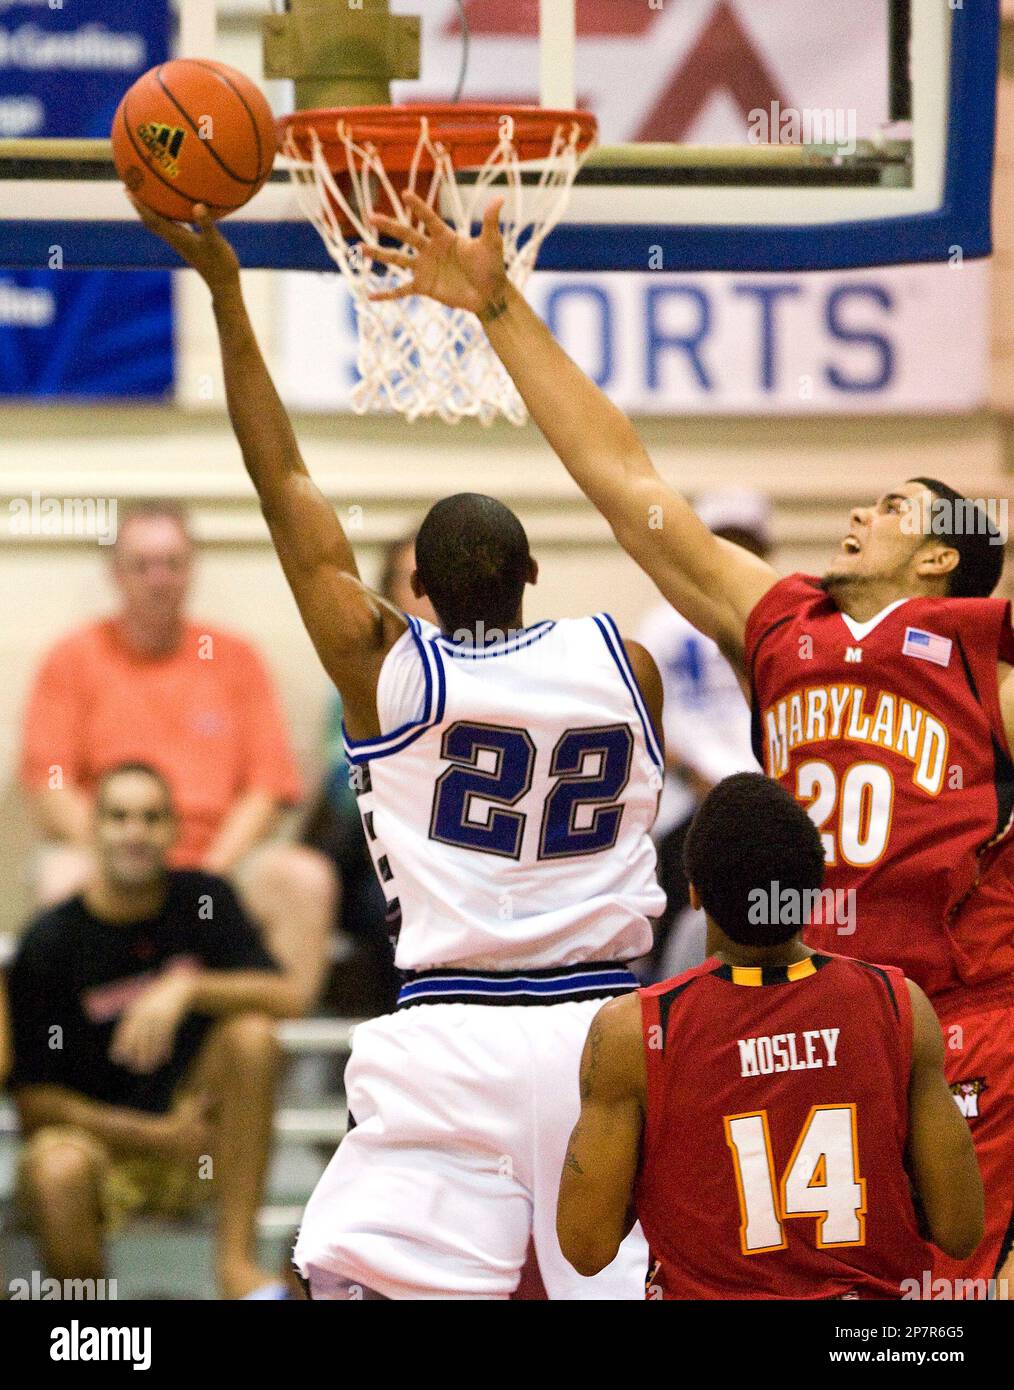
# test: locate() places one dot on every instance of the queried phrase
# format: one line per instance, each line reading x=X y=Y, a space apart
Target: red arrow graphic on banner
x=724 y=58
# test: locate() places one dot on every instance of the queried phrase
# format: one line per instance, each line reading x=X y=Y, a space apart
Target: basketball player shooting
x=508 y=778
x=883 y=693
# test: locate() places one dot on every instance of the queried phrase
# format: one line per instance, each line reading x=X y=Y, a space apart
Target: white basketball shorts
x=462 y=1117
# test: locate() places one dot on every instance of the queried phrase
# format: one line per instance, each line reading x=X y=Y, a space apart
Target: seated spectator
x=707 y=729
x=145 y=1057
x=366 y=984
x=196 y=702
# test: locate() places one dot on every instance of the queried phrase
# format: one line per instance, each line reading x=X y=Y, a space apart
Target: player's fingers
x=402 y=292
x=491 y=220
x=176 y=235
x=203 y=218
x=389 y=256
x=161 y=225
x=431 y=220
x=401 y=231
x=147 y=216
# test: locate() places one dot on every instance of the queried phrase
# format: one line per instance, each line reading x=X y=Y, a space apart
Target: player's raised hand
x=463 y=272
x=206 y=249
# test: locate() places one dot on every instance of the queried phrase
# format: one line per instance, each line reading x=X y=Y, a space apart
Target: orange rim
x=469 y=132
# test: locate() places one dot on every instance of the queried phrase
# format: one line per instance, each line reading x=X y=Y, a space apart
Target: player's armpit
x=941 y=1156
x=595 y=1208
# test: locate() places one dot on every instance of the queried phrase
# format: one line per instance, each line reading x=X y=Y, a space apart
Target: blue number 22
x=592 y=767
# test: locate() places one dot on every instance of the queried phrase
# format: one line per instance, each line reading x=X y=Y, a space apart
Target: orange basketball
x=193 y=131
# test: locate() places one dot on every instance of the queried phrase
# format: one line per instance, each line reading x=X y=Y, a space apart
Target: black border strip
x=900 y=59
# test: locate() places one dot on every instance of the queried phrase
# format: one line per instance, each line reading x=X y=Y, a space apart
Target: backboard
x=786 y=136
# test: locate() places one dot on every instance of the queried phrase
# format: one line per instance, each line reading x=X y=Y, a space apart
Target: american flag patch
x=927 y=646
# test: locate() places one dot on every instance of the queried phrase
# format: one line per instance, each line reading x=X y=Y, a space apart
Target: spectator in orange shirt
x=148 y=684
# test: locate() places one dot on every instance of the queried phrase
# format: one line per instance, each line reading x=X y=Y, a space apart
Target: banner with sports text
x=64 y=65
x=700 y=72
x=906 y=340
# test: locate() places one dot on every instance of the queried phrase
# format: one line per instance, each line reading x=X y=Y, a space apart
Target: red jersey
x=890 y=734
x=775 y=1133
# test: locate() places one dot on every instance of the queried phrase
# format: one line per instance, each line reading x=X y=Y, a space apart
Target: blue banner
x=64 y=65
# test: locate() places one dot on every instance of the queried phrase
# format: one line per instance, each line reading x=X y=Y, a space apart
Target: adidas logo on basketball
x=163 y=144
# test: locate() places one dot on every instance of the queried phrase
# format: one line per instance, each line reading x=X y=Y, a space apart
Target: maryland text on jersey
x=818 y=713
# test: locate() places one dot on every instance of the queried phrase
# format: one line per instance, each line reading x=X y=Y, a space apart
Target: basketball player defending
x=508 y=778
x=813 y=1086
x=883 y=694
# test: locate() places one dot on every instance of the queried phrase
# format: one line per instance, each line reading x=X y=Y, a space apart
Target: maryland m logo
x=966 y=1096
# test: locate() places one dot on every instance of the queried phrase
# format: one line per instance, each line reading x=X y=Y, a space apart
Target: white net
x=418 y=357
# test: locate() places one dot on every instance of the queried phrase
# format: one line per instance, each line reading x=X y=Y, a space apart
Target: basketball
x=193 y=131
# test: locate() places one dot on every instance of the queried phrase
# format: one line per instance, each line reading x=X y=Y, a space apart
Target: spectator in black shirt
x=145 y=1057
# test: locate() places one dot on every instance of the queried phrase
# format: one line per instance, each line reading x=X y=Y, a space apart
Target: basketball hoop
x=418 y=357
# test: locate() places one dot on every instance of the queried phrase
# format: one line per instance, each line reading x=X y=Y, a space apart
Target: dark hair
x=980 y=547
x=142 y=768
x=748 y=835
x=472 y=557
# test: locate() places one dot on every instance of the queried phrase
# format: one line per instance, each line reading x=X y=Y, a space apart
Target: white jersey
x=509 y=799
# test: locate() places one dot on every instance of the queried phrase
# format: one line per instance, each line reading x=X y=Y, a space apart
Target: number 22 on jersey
x=493 y=763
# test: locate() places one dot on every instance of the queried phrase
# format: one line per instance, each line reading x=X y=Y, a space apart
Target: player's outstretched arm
x=942 y=1159
x=713 y=583
x=595 y=1208
x=351 y=628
